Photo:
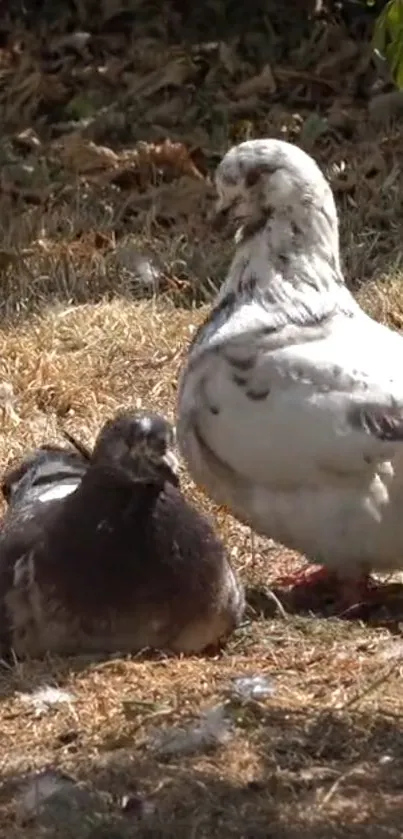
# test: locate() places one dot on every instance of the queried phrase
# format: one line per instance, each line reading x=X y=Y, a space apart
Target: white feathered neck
x=292 y=265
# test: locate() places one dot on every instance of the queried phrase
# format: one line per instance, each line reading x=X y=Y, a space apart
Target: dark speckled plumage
x=122 y=562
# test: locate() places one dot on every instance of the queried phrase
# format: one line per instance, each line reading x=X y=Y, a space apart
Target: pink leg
x=354 y=592
x=348 y=592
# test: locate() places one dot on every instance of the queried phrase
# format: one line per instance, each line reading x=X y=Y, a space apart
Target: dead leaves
x=79 y=74
x=367 y=172
x=27 y=140
x=264 y=82
x=25 y=87
x=125 y=123
x=83 y=156
x=51 y=174
x=175 y=74
x=130 y=167
x=8 y=259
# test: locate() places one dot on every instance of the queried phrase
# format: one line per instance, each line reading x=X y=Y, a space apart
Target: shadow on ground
x=305 y=776
x=384 y=606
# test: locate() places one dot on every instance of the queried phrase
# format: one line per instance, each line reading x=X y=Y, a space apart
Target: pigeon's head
x=140 y=444
x=260 y=179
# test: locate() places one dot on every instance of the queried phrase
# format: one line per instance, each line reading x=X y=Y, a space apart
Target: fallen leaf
x=174 y=74
x=263 y=83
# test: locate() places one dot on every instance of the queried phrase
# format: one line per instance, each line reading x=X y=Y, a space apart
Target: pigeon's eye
x=160 y=444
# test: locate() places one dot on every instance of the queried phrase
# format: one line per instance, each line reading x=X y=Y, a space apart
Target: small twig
x=334 y=787
x=304 y=76
x=252 y=547
x=80 y=447
x=371 y=687
x=270 y=594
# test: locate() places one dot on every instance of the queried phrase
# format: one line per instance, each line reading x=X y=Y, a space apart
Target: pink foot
x=310 y=576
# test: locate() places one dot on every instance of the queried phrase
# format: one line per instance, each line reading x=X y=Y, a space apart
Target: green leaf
x=394 y=14
x=388 y=38
x=80 y=107
x=380 y=33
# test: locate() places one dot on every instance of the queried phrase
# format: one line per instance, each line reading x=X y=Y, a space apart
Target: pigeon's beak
x=171 y=461
x=220 y=216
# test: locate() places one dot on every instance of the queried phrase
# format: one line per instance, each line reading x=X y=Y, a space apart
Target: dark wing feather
x=380 y=422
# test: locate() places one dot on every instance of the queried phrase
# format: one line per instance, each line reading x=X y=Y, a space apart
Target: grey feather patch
x=257 y=395
x=239 y=380
x=269 y=330
x=217 y=318
x=254 y=173
x=380 y=423
x=248 y=285
x=295 y=229
x=253 y=227
x=240 y=363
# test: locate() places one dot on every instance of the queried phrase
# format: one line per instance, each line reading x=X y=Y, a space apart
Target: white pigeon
x=290 y=407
